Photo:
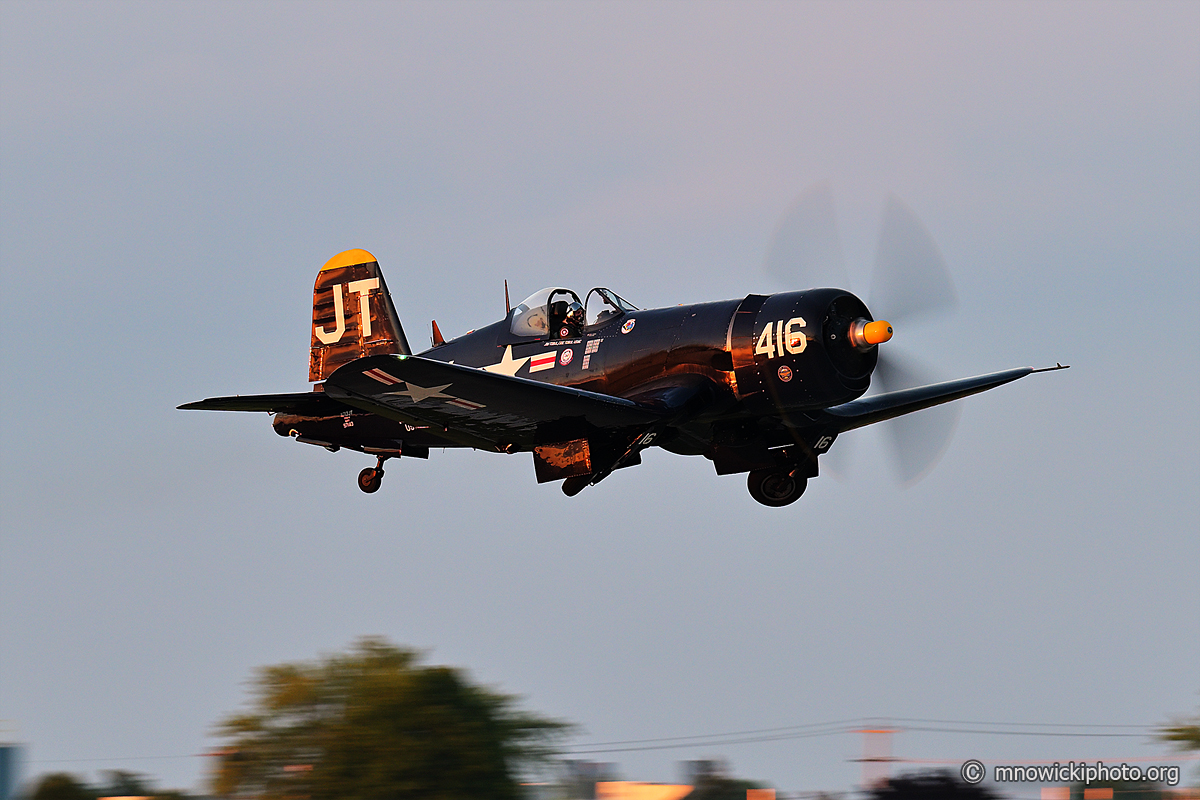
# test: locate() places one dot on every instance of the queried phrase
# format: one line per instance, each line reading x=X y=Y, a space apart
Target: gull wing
x=481 y=409
x=309 y=404
x=869 y=410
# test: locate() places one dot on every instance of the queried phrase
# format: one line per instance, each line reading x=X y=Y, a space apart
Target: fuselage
x=784 y=349
x=767 y=359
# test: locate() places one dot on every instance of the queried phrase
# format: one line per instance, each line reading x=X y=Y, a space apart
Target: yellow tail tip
x=349 y=258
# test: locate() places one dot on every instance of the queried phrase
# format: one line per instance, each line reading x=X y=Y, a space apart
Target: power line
x=854 y=725
x=716 y=742
x=731 y=733
x=792 y=732
x=1016 y=724
x=1022 y=733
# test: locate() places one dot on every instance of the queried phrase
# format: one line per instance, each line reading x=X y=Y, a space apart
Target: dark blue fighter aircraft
x=762 y=385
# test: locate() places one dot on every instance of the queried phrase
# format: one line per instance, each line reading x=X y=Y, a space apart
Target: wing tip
x=1057 y=366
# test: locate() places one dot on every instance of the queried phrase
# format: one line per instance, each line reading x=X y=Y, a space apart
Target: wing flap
x=478 y=408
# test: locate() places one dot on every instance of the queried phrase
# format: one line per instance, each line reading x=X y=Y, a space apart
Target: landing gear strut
x=776 y=486
x=370 y=479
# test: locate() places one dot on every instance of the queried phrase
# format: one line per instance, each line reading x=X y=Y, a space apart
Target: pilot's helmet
x=575 y=314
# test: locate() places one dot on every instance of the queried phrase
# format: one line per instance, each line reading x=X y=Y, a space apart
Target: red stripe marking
x=382 y=377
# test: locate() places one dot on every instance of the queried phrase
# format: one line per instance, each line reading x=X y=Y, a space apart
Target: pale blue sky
x=173 y=175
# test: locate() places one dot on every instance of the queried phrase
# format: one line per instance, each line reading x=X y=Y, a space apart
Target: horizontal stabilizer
x=477 y=408
x=308 y=404
x=869 y=410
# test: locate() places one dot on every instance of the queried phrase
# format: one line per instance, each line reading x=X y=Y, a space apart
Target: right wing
x=482 y=409
x=307 y=404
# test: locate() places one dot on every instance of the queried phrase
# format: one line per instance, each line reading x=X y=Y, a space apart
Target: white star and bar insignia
x=421 y=393
x=508 y=365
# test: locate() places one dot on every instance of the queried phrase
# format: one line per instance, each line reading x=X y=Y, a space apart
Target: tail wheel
x=776 y=487
x=370 y=479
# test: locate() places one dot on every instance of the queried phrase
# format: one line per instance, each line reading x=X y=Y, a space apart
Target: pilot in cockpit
x=574 y=319
x=567 y=318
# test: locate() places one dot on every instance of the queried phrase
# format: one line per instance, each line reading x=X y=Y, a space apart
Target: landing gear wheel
x=776 y=487
x=575 y=484
x=369 y=480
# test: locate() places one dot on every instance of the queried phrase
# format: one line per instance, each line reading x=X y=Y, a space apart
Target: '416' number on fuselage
x=778 y=337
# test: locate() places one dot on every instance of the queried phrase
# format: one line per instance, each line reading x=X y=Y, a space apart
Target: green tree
x=1184 y=734
x=62 y=786
x=124 y=784
x=118 y=783
x=374 y=723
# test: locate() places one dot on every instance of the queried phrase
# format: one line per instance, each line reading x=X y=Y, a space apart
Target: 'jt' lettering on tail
x=362 y=288
x=338 y=337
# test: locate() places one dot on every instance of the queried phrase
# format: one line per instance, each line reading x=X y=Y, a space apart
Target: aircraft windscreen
x=604 y=305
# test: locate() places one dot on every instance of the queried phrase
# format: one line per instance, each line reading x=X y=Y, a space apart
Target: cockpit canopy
x=544 y=311
x=533 y=315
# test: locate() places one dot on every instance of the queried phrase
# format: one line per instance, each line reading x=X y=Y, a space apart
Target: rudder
x=353 y=315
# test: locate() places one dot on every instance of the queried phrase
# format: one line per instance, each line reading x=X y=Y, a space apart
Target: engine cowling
x=803 y=350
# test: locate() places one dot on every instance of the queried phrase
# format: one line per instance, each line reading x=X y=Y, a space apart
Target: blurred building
x=702 y=769
x=580 y=777
x=10 y=762
x=634 y=790
x=584 y=780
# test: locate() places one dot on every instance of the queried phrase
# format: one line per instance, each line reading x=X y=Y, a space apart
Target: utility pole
x=877 y=756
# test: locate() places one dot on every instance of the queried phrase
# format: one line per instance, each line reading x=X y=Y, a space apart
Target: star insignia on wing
x=419 y=393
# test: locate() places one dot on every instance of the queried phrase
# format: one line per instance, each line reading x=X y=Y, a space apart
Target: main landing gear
x=370 y=479
x=776 y=486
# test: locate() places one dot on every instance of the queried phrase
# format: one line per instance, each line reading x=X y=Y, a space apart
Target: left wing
x=481 y=409
x=309 y=404
x=869 y=410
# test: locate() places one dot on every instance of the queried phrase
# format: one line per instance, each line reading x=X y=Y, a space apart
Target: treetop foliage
x=1184 y=734
x=375 y=723
x=118 y=783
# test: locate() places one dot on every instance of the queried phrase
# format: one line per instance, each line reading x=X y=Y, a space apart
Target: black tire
x=575 y=484
x=370 y=479
x=775 y=487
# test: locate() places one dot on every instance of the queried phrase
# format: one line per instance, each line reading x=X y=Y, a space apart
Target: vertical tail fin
x=353 y=315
